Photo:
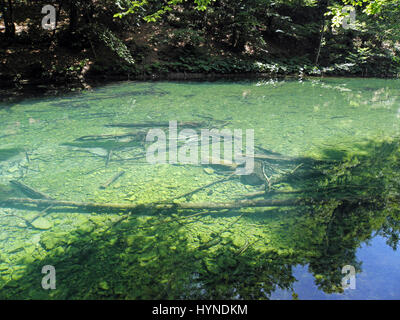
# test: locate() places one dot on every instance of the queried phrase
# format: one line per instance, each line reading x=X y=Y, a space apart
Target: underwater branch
x=160 y=206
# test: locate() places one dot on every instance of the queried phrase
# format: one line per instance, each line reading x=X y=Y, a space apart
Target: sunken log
x=149 y=124
x=162 y=206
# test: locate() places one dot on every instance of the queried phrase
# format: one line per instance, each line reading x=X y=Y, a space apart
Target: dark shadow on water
x=155 y=258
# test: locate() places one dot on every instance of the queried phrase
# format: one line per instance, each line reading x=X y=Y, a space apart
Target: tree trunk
x=8 y=18
x=73 y=16
x=157 y=206
x=323 y=7
x=238 y=204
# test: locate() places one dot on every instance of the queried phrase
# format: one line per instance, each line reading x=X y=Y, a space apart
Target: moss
x=42 y=223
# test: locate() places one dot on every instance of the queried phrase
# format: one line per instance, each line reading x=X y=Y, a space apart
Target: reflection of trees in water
x=327 y=236
x=352 y=223
x=391 y=227
x=155 y=258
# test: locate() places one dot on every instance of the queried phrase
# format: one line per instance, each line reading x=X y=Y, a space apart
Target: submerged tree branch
x=184 y=205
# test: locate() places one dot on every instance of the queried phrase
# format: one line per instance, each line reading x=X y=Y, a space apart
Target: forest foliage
x=139 y=38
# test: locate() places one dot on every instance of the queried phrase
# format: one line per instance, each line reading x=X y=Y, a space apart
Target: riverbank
x=30 y=88
x=91 y=46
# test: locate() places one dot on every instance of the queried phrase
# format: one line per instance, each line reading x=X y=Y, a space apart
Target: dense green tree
x=212 y=36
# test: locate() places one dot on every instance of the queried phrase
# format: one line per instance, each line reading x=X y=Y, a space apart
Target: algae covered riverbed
x=343 y=134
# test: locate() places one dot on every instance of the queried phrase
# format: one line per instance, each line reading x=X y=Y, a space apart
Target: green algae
x=42 y=223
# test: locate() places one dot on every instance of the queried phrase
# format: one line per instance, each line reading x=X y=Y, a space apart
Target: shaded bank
x=278 y=38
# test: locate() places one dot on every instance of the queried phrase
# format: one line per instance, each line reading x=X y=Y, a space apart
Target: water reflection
x=378 y=279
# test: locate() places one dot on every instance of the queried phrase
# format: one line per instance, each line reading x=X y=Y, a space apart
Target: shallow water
x=236 y=253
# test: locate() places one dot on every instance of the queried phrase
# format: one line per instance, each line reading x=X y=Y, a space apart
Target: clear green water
x=242 y=253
